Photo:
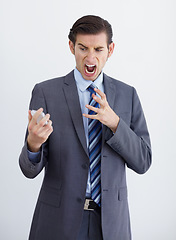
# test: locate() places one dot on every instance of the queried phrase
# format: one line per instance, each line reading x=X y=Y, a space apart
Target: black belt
x=90 y=205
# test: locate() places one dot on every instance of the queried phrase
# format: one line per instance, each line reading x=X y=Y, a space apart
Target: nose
x=90 y=57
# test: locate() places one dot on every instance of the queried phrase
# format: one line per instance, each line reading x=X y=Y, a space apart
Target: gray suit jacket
x=64 y=156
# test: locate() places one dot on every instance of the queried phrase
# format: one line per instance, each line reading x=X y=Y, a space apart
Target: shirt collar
x=84 y=84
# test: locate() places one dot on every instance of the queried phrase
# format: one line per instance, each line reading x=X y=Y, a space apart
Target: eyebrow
x=99 y=47
x=80 y=44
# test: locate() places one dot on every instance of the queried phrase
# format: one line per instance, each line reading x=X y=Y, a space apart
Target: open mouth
x=90 y=69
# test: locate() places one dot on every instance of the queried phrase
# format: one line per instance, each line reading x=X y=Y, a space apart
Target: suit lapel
x=110 y=92
x=72 y=99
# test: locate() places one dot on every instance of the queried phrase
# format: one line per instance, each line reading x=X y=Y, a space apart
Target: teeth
x=90 y=65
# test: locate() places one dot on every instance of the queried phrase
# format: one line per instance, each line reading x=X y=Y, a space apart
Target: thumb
x=29 y=116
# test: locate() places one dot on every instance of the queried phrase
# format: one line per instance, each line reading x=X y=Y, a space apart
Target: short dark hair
x=90 y=24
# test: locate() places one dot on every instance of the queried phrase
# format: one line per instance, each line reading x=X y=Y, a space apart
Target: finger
x=50 y=130
x=38 y=112
x=36 y=115
x=33 y=125
x=29 y=116
x=50 y=123
x=99 y=100
x=90 y=116
x=94 y=109
x=44 y=120
x=47 y=128
x=102 y=95
x=45 y=131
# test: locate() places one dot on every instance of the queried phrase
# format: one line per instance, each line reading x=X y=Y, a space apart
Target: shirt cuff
x=34 y=157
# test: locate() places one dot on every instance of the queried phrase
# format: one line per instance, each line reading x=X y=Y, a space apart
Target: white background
x=34 y=47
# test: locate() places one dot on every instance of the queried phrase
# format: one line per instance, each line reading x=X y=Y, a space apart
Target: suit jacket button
x=79 y=200
x=84 y=166
x=32 y=167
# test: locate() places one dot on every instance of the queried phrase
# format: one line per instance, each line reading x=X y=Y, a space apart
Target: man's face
x=91 y=53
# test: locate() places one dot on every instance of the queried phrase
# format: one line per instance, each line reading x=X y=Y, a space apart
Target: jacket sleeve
x=132 y=142
x=29 y=169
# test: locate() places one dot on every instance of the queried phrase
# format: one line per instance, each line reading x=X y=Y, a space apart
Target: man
x=97 y=129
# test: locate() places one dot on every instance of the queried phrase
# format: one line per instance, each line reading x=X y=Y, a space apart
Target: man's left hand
x=104 y=114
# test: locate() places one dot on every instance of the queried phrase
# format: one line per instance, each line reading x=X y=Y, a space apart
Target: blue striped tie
x=95 y=139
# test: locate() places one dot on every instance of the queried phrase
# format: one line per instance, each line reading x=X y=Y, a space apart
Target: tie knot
x=91 y=88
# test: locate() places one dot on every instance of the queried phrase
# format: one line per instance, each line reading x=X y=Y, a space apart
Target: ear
x=111 y=49
x=72 y=47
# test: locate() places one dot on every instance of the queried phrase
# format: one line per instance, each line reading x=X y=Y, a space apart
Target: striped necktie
x=95 y=139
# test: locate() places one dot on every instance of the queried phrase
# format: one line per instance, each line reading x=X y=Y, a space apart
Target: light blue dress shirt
x=84 y=98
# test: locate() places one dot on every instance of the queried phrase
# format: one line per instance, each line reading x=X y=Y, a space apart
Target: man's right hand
x=38 y=132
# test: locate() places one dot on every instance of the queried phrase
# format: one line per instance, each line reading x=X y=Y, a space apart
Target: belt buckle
x=86 y=204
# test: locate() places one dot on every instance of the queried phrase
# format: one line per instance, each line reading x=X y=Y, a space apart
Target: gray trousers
x=91 y=226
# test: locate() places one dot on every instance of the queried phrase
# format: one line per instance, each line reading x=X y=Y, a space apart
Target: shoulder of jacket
x=118 y=83
x=53 y=82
